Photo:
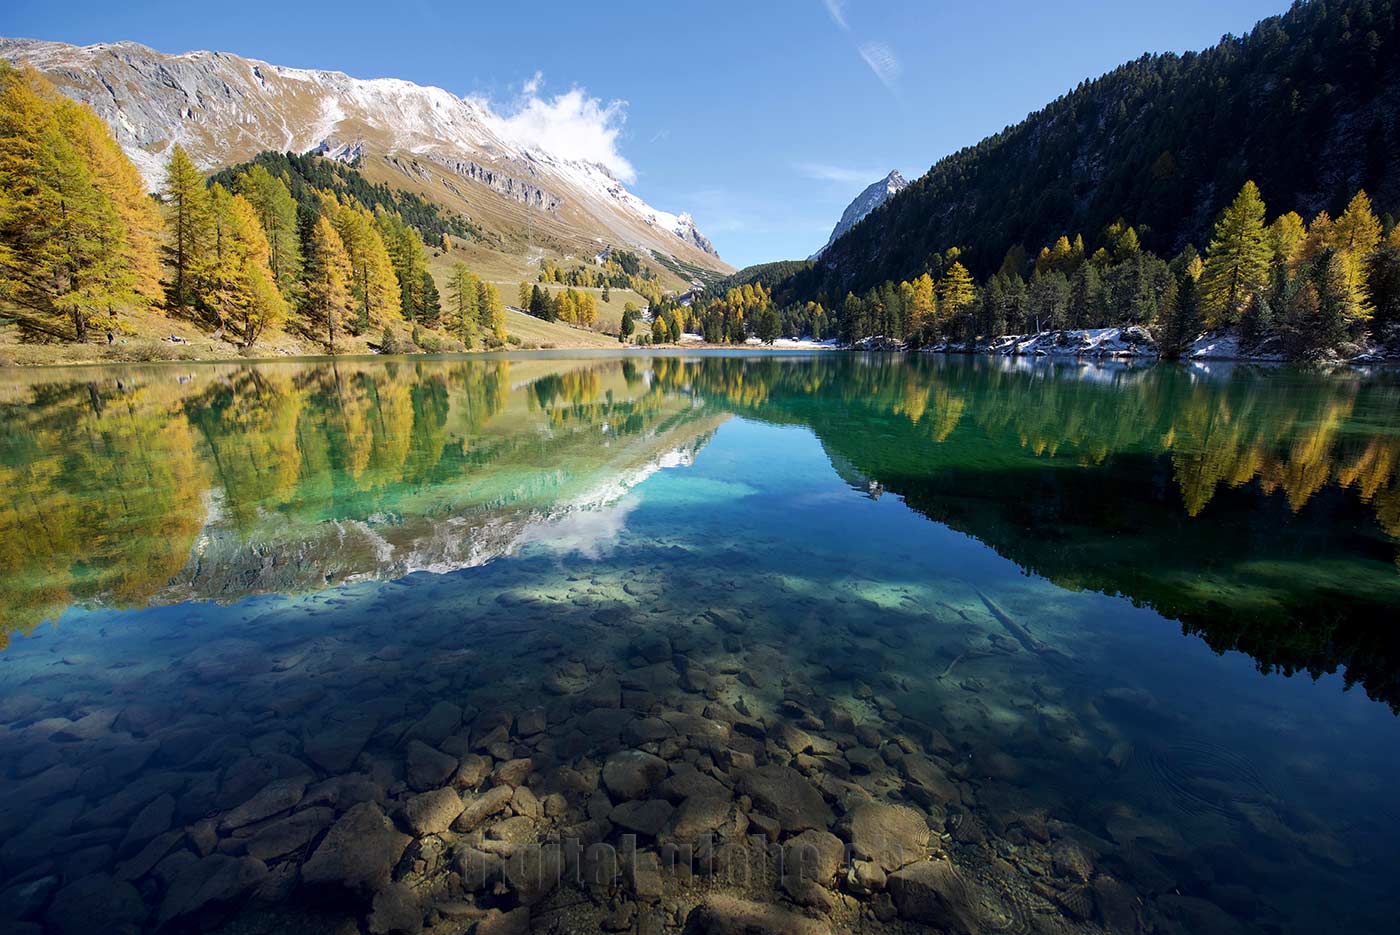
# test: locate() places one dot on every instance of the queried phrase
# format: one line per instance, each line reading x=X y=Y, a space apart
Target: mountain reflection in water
x=1259 y=507
x=368 y=645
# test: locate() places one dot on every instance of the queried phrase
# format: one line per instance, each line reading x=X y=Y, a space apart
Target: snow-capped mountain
x=867 y=201
x=225 y=108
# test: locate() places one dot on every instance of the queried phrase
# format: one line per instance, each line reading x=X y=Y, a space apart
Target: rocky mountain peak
x=871 y=198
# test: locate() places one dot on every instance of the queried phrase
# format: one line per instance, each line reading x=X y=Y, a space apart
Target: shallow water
x=1123 y=637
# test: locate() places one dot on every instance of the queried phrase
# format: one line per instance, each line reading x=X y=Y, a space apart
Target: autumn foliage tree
x=76 y=243
x=328 y=274
x=1237 y=260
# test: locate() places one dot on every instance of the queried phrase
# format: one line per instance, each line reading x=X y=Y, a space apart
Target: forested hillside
x=308 y=176
x=1305 y=106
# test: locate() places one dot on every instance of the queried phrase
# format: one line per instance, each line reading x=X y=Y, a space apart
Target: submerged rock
x=697 y=815
x=286 y=835
x=433 y=812
x=891 y=836
x=276 y=797
x=213 y=880
x=631 y=773
x=428 y=767
x=96 y=900
x=358 y=852
x=646 y=817
x=814 y=856
x=932 y=892
x=478 y=808
x=396 y=911
x=730 y=915
x=784 y=794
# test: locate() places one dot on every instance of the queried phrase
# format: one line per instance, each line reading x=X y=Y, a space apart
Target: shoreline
x=1105 y=345
x=1366 y=360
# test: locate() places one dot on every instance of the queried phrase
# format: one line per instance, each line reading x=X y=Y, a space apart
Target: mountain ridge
x=225 y=108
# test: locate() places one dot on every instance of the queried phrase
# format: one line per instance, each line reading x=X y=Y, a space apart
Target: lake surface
x=315 y=645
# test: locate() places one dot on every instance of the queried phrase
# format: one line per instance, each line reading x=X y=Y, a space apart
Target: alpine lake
x=710 y=642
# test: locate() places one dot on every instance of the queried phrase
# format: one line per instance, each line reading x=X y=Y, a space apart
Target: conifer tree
x=1287 y=238
x=187 y=229
x=1321 y=234
x=492 y=312
x=277 y=212
x=117 y=177
x=374 y=285
x=328 y=300
x=1356 y=236
x=522 y=300
x=406 y=250
x=431 y=300
x=1383 y=277
x=956 y=292
x=238 y=284
x=923 y=307
x=66 y=249
x=1237 y=260
x=1085 y=297
x=463 y=302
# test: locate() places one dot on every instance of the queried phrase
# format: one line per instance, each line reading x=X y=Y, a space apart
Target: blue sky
x=762 y=118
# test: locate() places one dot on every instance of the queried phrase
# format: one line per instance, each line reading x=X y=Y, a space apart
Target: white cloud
x=882 y=61
x=572 y=125
x=837 y=9
x=825 y=173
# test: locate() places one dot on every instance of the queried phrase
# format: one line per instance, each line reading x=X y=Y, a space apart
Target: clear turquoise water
x=1147 y=612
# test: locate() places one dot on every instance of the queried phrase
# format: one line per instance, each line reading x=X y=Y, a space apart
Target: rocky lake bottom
x=739 y=692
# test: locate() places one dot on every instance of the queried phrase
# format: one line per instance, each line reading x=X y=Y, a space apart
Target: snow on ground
x=799 y=343
x=1087 y=342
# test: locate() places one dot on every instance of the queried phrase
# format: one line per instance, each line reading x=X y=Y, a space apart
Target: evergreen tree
x=768 y=327
x=374 y=285
x=1180 y=317
x=430 y=301
x=991 y=314
x=1049 y=300
x=1258 y=321
x=1287 y=238
x=277 y=212
x=1086 y=308
x=328 y=300
x=956 y=292
x=1336 y=302
x=66 y=244
x=463 y=302
x=238 y=284
x=1237 y=260
x=138 y=247
x=187 y=227
x=1384 y=281
x=1357 y=234
x=628 y=325
x=410 y=261
x=492 y=312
